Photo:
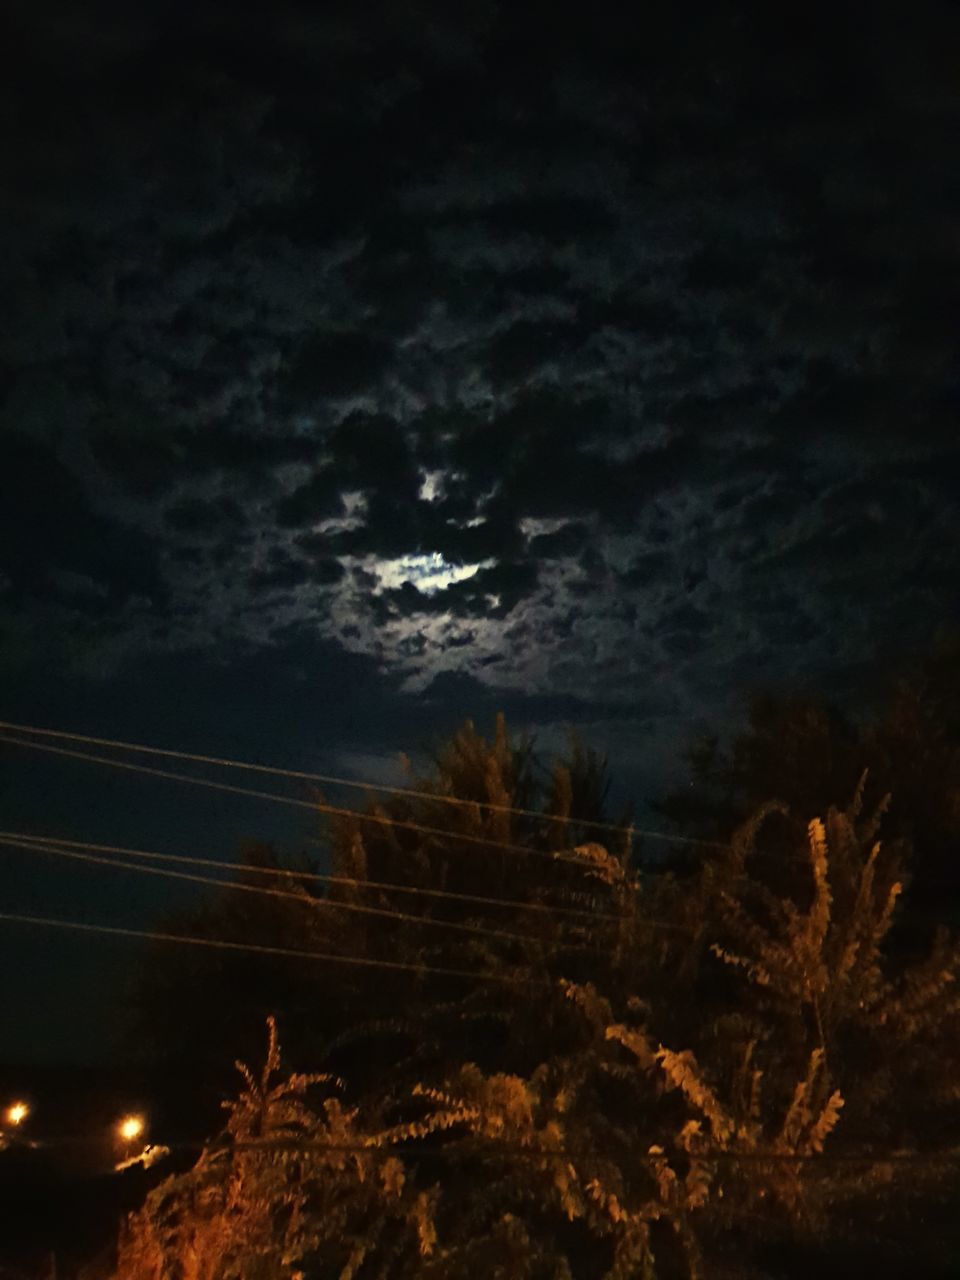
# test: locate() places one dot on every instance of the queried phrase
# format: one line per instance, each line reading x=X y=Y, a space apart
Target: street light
x=16 y=1113
x=130 y=1128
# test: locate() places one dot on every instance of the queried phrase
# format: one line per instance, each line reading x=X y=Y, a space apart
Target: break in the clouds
x=504 y=354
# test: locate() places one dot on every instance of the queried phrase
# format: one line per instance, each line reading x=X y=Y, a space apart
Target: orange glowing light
x=130 y=1128
x=16 y=1113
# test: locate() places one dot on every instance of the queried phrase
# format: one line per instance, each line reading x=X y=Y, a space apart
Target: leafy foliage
x=285 y=1182
x=690 y=1068
x=808 y=755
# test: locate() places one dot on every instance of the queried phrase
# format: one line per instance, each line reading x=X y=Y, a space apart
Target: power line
x=223 y=944
x=267 y=891
x=316 y=806
x=331 y=780
x=50 y=845
x=382 y=819
x=470 y=1146
x=320 y=877
x=313 y=806
x=711 y=1153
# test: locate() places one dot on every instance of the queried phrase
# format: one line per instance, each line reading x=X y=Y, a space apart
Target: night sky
x=361 y=374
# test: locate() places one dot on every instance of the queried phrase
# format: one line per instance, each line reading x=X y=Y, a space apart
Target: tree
x=415 y=879
x=286 y=1181
x=807 y=754
x=698 y=1069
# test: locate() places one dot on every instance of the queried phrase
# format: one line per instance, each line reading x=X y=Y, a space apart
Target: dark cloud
x=565 y=541
x=560 y=219
x=687 y=618
x=561 y=350
x=334 y=365
x=281 y=571
x=318 y=497
x=202 y=515
x=146 y=462
x=47 y=524
x=509 y=581
x=326 y=572
x=648 y=568
x=527 y=346
x=371 y=452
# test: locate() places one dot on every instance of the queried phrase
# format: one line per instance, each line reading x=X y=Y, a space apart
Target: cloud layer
x=547 y=360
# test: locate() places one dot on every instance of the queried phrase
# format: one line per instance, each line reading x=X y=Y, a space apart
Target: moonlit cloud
x=517 y=400
x=432 y=485
x=531 y=527
x=354 y=505
x=428 y=573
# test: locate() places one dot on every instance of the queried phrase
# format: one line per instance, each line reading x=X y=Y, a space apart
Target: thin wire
x=319 y=807
x=217 y=1146
x=316 y=806
x=222 y=944
x=331 y=780
x=410 y=793
x=48 y=844
x=382 y=819
x=266 y=891
x=313 y=806
x=446 y=894
x=760 y=1157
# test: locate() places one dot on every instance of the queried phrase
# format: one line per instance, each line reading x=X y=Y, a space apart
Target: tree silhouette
x=700 y=1068
x=808 y=755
